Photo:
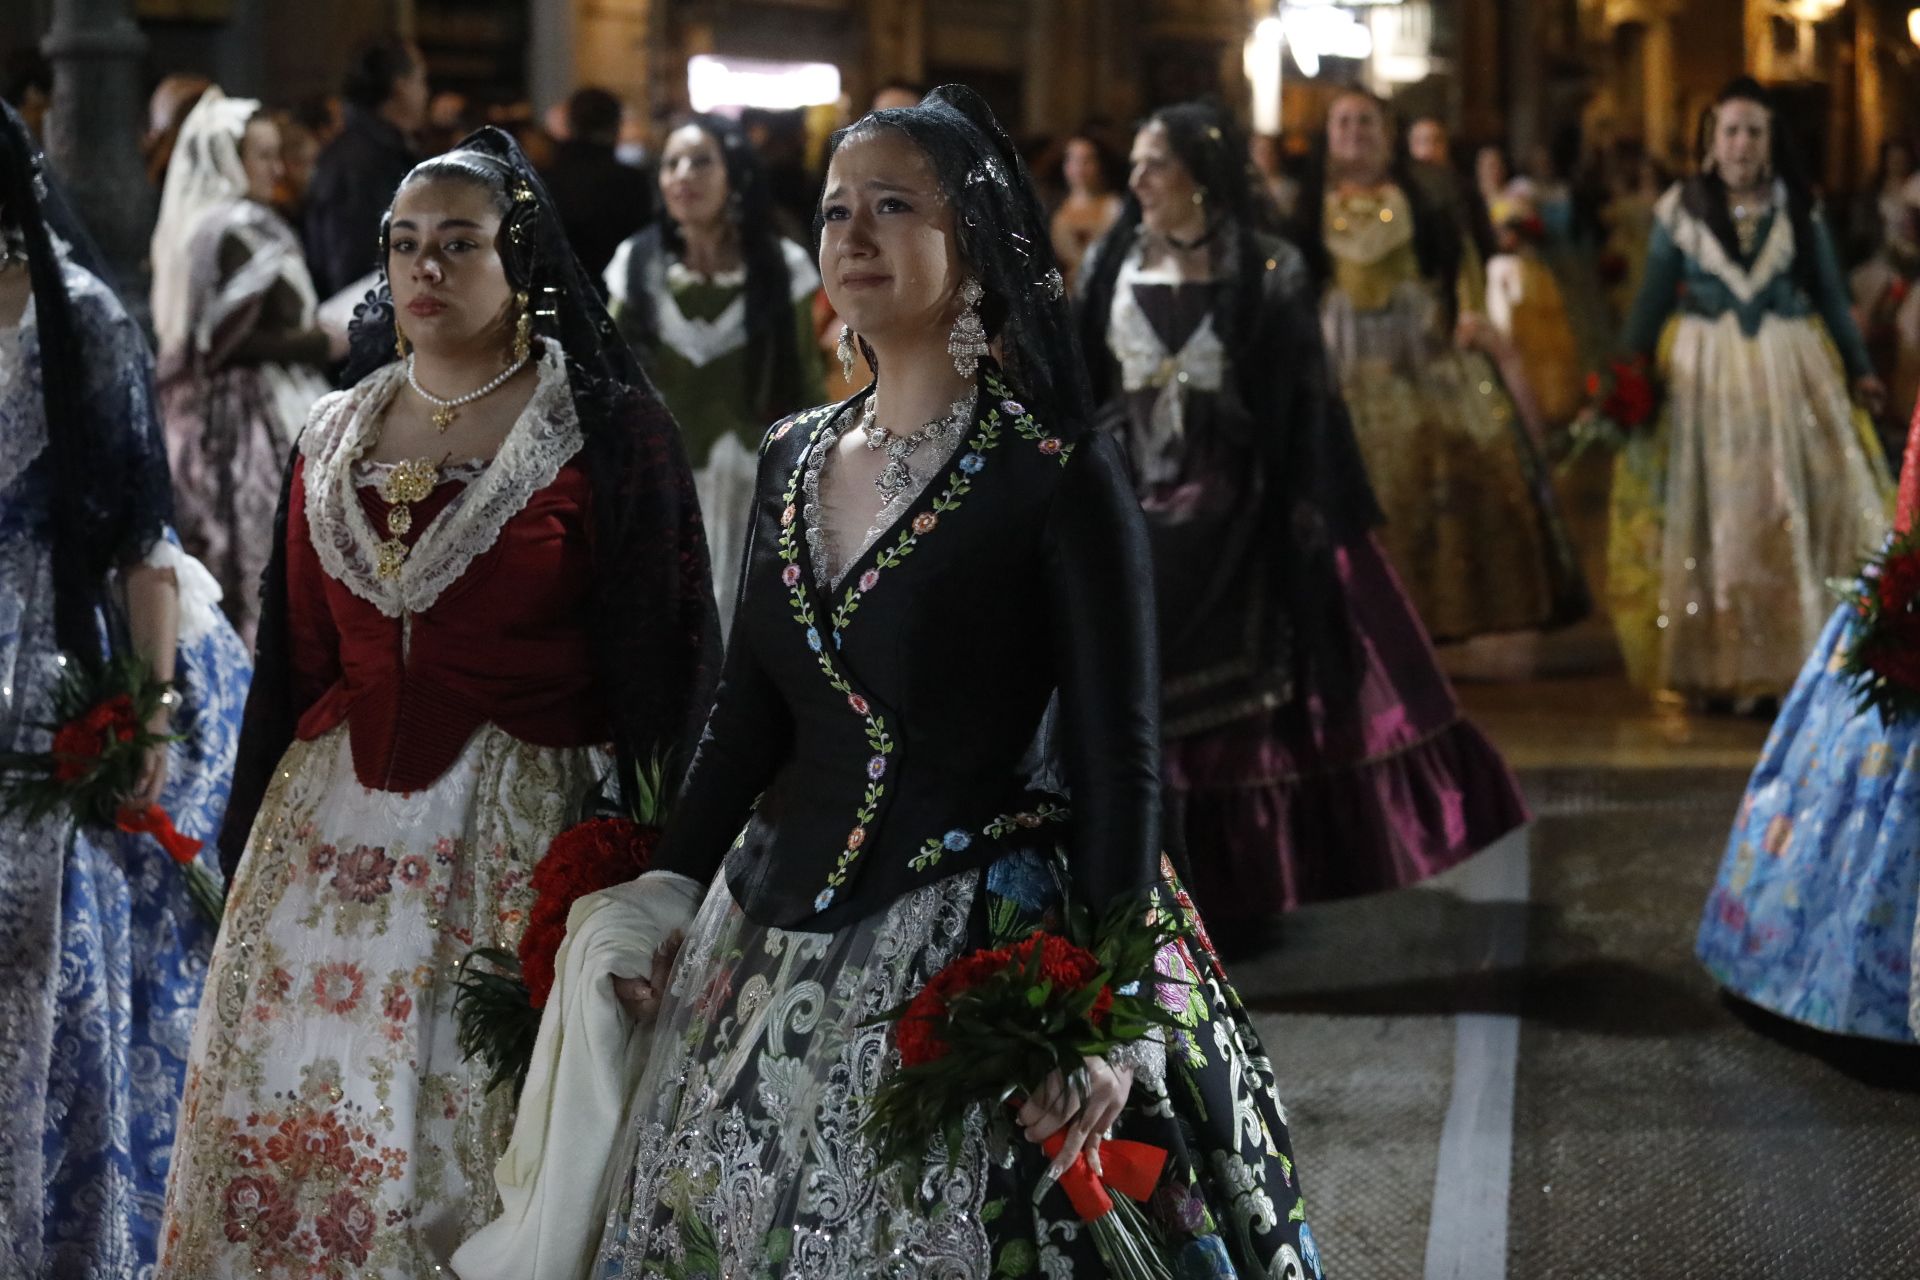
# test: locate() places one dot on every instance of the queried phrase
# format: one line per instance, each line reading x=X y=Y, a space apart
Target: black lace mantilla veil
x=112 y=492
x=656 y=633
x=1004 y=240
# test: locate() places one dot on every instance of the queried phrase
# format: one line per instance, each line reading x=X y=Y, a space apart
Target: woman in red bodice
x=490 y=591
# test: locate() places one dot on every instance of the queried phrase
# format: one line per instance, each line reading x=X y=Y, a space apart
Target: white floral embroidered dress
x=331 y=1126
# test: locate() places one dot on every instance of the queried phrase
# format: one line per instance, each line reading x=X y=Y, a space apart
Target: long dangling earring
x=522 y=330
x=845 y=352
x=968 y=341
x=400 y=345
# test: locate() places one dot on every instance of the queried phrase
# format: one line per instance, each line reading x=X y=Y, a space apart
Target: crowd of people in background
x=1324 y=393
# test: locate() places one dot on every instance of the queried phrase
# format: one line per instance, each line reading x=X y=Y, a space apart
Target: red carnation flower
x=1065 y=966
x=583 y=859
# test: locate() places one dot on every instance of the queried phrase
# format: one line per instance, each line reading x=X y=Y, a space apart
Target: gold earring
x=400 y=346
x=522 y=330
x=845 y=352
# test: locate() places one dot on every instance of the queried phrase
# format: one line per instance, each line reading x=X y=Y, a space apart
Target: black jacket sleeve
x=1105 y=651
x=747 y=734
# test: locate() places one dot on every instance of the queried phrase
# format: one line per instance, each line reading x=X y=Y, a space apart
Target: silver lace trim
x=832 y=562
x=757 y=1092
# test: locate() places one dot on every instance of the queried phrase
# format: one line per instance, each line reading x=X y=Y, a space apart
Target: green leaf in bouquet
x=495 y=1022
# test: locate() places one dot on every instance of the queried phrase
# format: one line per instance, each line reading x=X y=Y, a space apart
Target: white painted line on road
x=1467 y=1231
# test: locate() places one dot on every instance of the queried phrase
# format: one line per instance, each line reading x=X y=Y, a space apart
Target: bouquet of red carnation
x=1882 y=659
x=990 y=1028
x=100 y=743
x=498 y=1007
x=1621 y=406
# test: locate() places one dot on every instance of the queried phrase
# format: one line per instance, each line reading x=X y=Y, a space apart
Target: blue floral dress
x=1812 y=916
x=101 y=952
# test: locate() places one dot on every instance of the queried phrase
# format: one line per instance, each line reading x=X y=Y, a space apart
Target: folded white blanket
x=554 y=1180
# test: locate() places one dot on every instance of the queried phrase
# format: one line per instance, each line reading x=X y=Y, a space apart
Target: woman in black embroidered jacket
x=912 y=599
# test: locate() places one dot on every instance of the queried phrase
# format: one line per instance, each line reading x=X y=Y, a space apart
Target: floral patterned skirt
x=1813 y=913
x=330 y=1125
x=1473 y=526
x=747 y=1159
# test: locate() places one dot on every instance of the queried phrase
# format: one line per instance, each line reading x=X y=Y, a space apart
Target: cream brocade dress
x=1762 y=481
x=1472 y=526
x=331 y=1126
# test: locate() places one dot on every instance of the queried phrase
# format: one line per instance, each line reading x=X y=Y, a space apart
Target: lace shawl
x=544 y=437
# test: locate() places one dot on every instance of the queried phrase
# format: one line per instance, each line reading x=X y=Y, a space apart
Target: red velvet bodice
x=506 y=643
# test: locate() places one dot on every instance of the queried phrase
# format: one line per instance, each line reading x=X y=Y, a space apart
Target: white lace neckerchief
x=22 y=412
x=1695 y=238
x=273 y=255
x=701 y=342
x=831 y=562
x=343 y=427
x=1145 y=363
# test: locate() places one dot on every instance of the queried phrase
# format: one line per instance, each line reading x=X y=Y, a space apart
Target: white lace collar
x=1696 y=239
x=542 y=439
x=701 y=342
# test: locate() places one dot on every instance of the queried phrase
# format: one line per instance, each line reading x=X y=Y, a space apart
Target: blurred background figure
x=167 y=109
x=1442 y=186
x=1525 y=305
x=1885 y=238
x=716 y=303
x=1090 y=206
x=1878 y=210
x=601 y=200
x=240 y=354
x=26 y=81
x=386 y=104
x=1281 y=189
x=897 y=93
x=1313 y=750
x=1428 y=143
x=1760 y=483
x=450 y=117
x=1473 y=525
x=1637 y=181
x=634 y=147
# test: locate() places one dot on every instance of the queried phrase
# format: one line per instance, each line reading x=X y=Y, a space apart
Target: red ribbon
x=153 y=821
x=1131 y=1168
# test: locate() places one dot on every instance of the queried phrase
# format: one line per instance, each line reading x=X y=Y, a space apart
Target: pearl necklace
x=896 y=476
x=445 y=411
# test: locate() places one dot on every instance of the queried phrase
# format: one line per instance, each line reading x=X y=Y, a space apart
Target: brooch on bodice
x=409 y=482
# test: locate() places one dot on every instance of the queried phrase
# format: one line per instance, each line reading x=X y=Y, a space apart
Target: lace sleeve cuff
x=1148 y=1059
x=199 y=591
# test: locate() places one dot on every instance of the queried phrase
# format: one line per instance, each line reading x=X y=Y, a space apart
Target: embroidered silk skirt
x=1813 y=913
x=746 y=1151
x=330 y=1125
x=1762 y=485
x=1335 y=796
x=103 y=956
x=1473 y=526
